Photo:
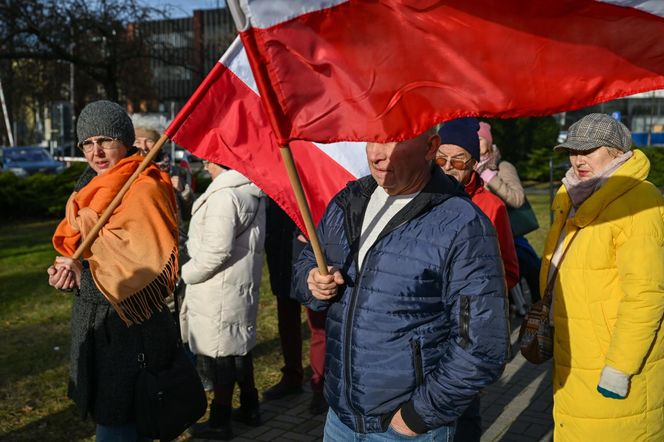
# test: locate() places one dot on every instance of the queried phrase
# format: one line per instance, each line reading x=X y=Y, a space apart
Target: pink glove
x=487 y=175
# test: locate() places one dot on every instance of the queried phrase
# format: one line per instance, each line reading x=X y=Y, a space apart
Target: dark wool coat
x=104 y=351
x=282 y=248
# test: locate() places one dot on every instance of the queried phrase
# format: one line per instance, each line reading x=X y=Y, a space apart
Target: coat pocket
x=610 y=314
x=603 y=315
x=416 y=350
x=464 y=321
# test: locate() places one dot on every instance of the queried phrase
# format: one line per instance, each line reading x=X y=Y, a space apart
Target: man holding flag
x=415 y=299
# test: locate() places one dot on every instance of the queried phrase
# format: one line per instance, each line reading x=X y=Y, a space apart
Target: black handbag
x=522 y=219
x=168 y=401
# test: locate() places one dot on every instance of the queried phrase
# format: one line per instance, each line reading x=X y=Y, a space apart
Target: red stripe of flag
x=387 y=70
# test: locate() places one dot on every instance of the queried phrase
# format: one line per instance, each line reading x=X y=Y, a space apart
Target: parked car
x=67 y=150
x=28 y=160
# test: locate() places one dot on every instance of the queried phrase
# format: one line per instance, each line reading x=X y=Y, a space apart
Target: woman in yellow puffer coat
x=608 y=303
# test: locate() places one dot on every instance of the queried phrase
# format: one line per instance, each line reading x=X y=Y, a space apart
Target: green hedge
x=536 y=166
x=44 y=196
x=656 y=157
x=203 y=180
x=37 y=196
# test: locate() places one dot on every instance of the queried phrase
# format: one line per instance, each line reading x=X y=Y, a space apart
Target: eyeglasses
x=456 y=163
x=105 y=143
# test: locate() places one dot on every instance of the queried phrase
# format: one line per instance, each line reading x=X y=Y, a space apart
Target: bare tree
x=39 y=39
x=92 y=35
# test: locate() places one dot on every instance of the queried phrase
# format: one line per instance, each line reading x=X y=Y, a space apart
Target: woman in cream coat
x=608 y=303
x=226 y=237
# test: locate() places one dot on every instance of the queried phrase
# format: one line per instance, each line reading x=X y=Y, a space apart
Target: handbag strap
x=177 y=309
x=548 y=293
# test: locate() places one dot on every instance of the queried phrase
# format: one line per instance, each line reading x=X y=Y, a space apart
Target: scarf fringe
x=139 y=306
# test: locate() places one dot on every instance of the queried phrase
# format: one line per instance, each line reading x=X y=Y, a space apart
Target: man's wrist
x=412 y=419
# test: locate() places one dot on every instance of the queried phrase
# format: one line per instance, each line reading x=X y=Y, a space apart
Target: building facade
x=183 y=51
x=642 y=113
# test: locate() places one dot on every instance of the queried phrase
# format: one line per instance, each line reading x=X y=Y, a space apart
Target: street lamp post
x=61 y=107
x=6 y=115
x=72 y=101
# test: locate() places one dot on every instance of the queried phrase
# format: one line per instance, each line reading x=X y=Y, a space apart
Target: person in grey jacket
x=415 y=299
x=225 y=244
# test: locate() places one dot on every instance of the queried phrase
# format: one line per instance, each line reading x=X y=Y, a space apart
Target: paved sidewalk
x=517 y=408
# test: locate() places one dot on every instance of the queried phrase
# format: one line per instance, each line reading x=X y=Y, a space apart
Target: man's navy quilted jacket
x=422 y=326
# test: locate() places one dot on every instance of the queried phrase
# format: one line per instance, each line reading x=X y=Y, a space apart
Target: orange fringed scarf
x=135 y=257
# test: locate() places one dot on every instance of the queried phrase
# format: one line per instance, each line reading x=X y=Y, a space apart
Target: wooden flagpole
x=92 y=235
x=296 y=184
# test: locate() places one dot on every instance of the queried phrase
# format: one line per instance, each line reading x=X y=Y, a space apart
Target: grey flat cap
x=595 y=130
x=105 y=118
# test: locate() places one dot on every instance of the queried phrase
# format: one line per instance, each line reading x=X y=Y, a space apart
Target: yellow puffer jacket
x=608 y=308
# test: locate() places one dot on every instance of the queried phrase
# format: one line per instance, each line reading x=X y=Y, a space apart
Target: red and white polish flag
x=224 y=122
x=331 y=70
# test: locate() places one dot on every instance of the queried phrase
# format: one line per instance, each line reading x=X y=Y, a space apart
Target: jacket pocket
x=417 y=361
x=610 y=313
x=464 y=321
x=603 y=315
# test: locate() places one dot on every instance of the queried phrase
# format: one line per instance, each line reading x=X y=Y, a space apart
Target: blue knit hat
x=462 y=132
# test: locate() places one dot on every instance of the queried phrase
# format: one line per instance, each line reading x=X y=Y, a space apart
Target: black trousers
x=226 y=372
x=290 y=336
x=469 y=424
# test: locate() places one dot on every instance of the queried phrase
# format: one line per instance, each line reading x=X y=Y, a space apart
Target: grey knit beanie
x=105 y=118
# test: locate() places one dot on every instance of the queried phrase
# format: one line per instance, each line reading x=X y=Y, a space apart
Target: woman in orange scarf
x=124 y=277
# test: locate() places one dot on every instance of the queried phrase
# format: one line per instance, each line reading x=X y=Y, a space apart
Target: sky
x=184 y=8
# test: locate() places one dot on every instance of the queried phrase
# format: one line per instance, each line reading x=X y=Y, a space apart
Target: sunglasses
x=456 y=163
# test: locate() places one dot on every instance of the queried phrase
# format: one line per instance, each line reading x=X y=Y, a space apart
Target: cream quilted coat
x=226 y=237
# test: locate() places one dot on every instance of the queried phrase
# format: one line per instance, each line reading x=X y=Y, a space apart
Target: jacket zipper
x=349 y=324
x=347 y=335
x=464 y=321
x=351 y=309
x=347 y=365
x=417 y=362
